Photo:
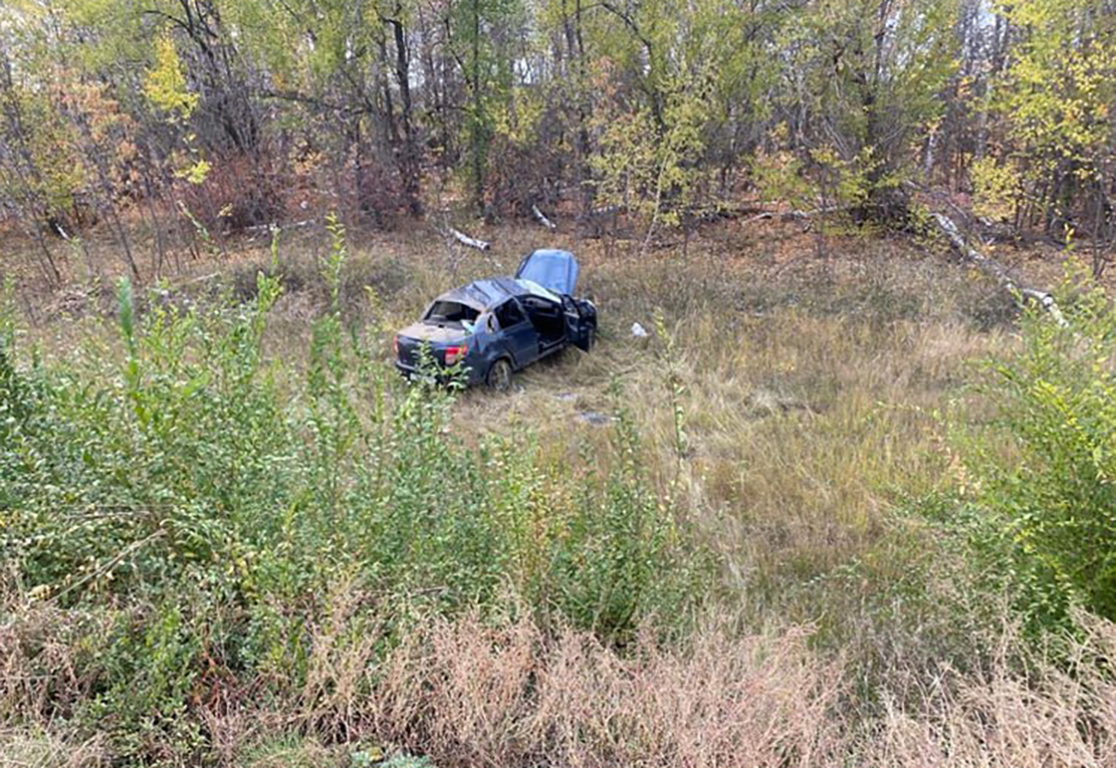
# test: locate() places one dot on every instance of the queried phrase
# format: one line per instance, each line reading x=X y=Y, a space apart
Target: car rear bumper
x=472 y=375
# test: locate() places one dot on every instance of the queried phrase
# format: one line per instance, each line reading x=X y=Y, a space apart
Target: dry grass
x=35 y=749
x=809 y=400
x=507 y=696
x=467 y=694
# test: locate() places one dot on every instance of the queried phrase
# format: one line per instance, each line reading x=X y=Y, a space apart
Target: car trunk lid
x=414 y=336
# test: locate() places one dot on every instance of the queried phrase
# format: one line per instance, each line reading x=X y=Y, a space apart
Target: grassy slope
x=807 y=390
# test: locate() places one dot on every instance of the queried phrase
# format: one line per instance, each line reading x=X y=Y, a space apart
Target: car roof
x=489 y=293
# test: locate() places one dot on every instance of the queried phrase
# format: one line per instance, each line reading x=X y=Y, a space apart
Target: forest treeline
x=198 y=116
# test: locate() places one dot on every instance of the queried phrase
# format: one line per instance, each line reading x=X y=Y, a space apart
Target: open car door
x=581 y=322
x=552 y=269
x=552 y=275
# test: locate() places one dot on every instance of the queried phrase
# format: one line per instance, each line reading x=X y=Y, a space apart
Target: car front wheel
x=499 y=375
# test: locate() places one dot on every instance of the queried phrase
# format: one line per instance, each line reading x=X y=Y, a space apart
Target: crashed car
x=493 y=327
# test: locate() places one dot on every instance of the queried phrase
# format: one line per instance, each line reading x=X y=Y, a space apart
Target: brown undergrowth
x=466 y=693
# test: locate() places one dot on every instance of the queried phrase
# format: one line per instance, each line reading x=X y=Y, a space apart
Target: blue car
x=496 y=326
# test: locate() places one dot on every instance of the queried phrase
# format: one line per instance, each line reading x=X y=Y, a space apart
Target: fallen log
x=472 y=242
x=997 y=232
x=541 y=218
x=758 y=217
x=58 y=230
x=287 y=225
x=796 y=215
x=996 y=270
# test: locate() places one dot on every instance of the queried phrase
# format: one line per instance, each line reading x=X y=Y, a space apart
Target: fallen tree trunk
x=797 y=215
x=995 y=269
x=758 y=217
x=541 y=218
x=288 y=225
x=472 y=242
x=608 y=210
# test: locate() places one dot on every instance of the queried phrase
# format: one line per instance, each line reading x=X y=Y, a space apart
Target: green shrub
x=1039 y=500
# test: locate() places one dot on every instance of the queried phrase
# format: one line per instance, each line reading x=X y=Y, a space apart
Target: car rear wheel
x=499 y=375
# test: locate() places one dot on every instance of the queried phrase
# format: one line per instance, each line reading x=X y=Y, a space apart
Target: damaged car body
x=491 y=328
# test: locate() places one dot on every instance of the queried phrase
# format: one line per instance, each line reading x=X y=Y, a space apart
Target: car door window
x=509 y=315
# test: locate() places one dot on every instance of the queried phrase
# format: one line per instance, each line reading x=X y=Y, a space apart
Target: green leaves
x=1056 y=98
x=165 y=86
x=1044 y=468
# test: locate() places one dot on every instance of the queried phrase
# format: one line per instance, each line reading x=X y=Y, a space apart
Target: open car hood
x=552 y=269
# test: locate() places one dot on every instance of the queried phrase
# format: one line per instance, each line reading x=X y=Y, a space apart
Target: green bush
x=1039 y=500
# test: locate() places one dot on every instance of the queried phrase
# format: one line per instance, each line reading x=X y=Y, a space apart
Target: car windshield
x=451 y=313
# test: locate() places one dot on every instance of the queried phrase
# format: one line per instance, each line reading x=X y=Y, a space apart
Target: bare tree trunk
x=477 y=149
x=996 y=270
x=156 y=225
x=1102 y=229
x=410 y=158
x=33 y=210
x=472 y=242
x=575 y=54
x=362 y=203
x=94 y=152
x=46 y=263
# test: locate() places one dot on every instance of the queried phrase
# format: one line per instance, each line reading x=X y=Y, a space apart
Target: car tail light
x=395 y=346
x=456 y=354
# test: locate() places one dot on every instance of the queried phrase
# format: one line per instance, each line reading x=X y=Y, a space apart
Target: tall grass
x=233 y=536
x=465 y=692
